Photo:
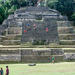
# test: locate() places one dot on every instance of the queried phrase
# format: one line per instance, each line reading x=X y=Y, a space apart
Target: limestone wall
x=10 y=55
x=38 y=32
x=30 y=55
x=35 y=55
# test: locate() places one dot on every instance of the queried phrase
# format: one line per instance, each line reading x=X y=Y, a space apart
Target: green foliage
x=12 y=9
x=2 y=14
x=10 y=6
x=51 y=3
x=32 y=2
x=73 y=16
x=66 y=7
x=1 y=19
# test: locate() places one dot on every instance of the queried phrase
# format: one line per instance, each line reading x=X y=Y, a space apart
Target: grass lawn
x=66 y=68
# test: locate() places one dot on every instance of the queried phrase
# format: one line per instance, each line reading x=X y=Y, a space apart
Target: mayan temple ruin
x=21 y=31
x=38 y=23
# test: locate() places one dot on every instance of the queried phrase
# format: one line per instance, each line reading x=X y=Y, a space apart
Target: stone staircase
x=66 y=33
x=13 y=39
x=12 y=36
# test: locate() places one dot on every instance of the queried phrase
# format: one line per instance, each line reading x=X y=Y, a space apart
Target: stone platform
x=31 y=55
x=35 y=55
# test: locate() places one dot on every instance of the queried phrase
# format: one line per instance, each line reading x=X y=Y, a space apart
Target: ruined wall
x=46 y=30
x=30 y=55
x=39 y=23
x=10 y=55
x=35 y=55
x=32 y=23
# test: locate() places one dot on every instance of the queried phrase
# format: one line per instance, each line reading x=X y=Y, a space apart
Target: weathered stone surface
x=69 y=56
x=33 y=23
x=65 y=30
x=30 y=55
x=57 y=52
x=10 y=55
x=67 y=36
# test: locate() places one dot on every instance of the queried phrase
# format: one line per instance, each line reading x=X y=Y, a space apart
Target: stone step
x=69 y=49
x=67 y=42
x=64 y=23
x=14 y=30
x=12 y=37
x=62 y=30
x=67 y=36
x=11 y=42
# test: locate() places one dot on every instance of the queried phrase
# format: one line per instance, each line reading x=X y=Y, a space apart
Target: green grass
x=66 y=68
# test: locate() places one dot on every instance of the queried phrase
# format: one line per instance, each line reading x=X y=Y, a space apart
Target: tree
x=18 y=3
x=1 y=19
x=12 y=9
x=51 y=5
x=2 y=14
x=32 y=2
x=73 y=18
x=65 y=7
